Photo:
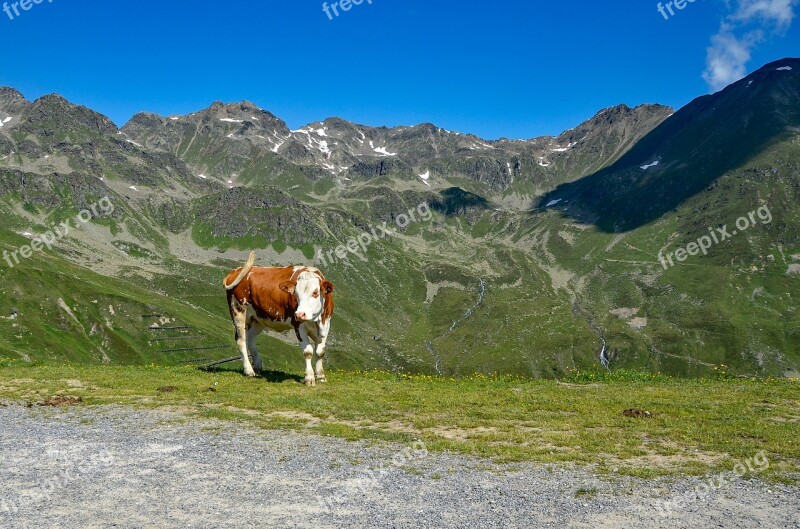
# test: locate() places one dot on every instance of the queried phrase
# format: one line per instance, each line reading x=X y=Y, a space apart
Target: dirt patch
x=61 y=400
x=791 y=418
x=636 y=412
x=462 y=434
x=20 y=381
x=297 y=416
x=638 y=323
x=568 y=237
x=433 y=289
x=625 y=313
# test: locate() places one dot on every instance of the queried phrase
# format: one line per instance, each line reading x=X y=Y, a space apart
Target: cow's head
x=312 y=293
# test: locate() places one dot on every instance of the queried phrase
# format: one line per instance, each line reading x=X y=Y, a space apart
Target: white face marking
x=309 y=295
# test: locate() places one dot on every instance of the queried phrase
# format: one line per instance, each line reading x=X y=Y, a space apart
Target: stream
x=438 y=360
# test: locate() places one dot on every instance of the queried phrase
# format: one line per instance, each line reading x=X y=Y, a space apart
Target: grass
x=697 y=426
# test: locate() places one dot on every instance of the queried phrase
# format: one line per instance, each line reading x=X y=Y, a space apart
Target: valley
x=538 y=254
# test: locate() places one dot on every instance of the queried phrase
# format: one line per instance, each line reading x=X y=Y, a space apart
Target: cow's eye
x=316 y=294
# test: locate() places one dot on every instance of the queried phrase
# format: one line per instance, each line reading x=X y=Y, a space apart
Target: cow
x=281 y=299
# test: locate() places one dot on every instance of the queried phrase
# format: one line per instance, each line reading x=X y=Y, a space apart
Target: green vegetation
x=501 y=279
x=696 y=426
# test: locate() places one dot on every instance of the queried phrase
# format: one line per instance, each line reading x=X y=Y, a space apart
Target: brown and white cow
x=281 y=299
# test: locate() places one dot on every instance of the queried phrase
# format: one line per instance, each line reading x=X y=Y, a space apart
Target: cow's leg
x=240 y=321
x=308 y=352
x=322 y=337
x=253 y=330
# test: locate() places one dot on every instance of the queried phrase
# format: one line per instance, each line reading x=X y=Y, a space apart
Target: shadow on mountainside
x=688 y=152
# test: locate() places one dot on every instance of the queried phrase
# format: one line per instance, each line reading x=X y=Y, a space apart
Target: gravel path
x=84 y=468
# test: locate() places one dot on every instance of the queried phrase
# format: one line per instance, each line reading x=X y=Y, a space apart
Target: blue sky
x=517 y=68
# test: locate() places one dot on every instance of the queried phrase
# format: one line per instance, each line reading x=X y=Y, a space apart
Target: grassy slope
x=734 y=307
x=698 y=426
x=108 y=314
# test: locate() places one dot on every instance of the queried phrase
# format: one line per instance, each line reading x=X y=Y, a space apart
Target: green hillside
x=532 y=256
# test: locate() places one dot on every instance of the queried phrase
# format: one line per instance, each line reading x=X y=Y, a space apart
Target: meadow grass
x=697 y=425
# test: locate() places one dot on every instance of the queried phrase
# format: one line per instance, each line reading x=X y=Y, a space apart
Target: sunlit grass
x=696 y=425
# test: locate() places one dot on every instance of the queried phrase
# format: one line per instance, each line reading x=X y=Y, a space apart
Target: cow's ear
x=327 y=287
x=287 y=286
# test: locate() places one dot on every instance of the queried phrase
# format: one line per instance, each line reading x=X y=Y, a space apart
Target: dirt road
x=98 y=467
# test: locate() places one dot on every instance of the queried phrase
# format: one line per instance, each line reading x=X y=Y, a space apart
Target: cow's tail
x=246 y=270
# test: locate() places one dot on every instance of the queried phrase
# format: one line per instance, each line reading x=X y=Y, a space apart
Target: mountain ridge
x=522 y=266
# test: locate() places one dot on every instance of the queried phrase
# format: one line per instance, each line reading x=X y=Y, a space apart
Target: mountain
x=253 y=146
x=688 y=152
x=524 y=256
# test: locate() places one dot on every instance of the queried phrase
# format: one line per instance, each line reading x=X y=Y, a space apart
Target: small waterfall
x=437 y=358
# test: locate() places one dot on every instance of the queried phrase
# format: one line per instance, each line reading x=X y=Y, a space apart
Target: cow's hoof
x=310 y=381
x=322 y=379
x=250 y=373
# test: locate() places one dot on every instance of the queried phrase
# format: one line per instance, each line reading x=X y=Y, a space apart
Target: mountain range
x=540 y=254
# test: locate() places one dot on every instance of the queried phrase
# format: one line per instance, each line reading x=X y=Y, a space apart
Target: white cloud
x=778 y=12
x=727 y=57
x=740 y=32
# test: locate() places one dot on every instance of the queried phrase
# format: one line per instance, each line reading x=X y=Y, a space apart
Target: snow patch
x=553 y=202
x=229 y=120
x=383 y=151
x=9 y=118
x=564 y=149
x=784 y=69
x=648 y=166
x=133 y=187
x=174 y=118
